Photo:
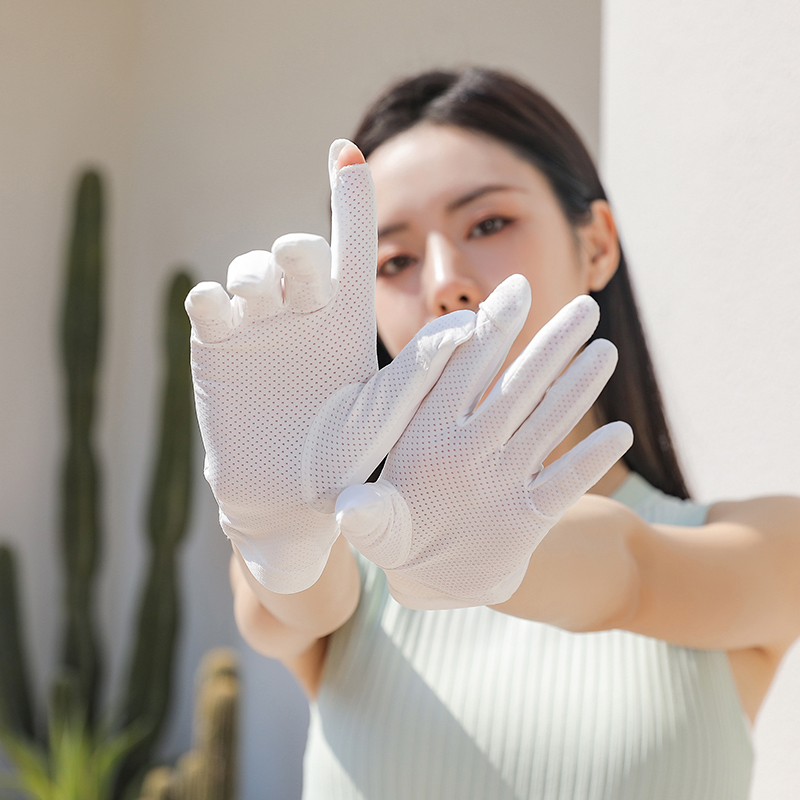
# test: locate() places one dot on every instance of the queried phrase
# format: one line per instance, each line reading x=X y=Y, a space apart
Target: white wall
x=212 y=121
x=700 y=125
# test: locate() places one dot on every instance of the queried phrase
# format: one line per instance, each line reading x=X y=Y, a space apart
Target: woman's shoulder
x=776 y=518
x=654 y=505
x=774 y=509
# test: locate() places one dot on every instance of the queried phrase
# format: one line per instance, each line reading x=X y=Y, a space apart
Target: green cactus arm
x=170 y=493
x=150 y=672
x=81 y=329
x=16 y=708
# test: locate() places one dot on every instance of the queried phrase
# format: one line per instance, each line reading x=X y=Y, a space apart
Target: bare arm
x=292 y=627
x=733 y=583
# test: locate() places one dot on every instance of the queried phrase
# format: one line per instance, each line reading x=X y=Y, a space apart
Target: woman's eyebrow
x=387 y=230
x=459 y=202
x=480 y=192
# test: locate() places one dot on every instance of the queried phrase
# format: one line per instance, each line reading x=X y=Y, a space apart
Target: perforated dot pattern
x=258 y=390
x=478 y=498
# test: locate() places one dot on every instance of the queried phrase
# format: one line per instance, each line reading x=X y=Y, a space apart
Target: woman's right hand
x=291 y=406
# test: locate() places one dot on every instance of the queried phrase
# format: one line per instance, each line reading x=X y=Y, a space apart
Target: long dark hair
x=513 y=113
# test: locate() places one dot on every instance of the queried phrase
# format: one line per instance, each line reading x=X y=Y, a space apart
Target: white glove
x=289 y=399
x=463 y=499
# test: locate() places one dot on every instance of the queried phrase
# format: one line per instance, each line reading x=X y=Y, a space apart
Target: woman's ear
x=599 y=246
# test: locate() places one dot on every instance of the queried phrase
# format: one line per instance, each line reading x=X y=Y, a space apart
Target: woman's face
x=458 y=213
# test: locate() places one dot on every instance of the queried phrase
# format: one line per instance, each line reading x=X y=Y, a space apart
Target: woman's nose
x=451 y=282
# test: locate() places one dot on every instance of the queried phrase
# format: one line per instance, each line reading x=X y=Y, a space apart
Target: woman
x=646 y=627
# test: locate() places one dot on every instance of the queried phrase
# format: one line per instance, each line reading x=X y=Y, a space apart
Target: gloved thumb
x=375 y=519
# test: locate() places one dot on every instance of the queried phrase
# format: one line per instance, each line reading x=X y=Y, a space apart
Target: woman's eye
x=487 y=227
x=394 y=265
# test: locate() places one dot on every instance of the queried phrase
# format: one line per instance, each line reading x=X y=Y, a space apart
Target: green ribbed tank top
x=471 y=704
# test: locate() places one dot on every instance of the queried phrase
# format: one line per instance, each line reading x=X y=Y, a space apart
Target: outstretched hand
x=463 y=499
x=291 y=406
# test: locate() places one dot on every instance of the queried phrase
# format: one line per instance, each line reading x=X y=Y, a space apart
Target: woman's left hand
x=464 y=500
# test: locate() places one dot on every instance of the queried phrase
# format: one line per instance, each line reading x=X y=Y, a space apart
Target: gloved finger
x=375 y=519
x=209 y=309
x=563 y=406
x=369 y=419
x=255 y=281
x=499 y=320
x=563 y=482
x=524 y=383
x=305 y=260
x=354 y=232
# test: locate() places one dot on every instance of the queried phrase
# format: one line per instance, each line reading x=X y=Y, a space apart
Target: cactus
x=76 y=688
x=150 y=676
x=16 y=710
x=157 y=784
x=208 y=771
x=216 y=720
x=80 y=534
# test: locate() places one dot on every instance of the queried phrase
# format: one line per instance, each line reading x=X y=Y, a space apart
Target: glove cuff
x=411 y=594
x=280 y=581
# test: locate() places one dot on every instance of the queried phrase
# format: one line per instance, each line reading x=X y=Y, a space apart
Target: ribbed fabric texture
x=471 y=703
